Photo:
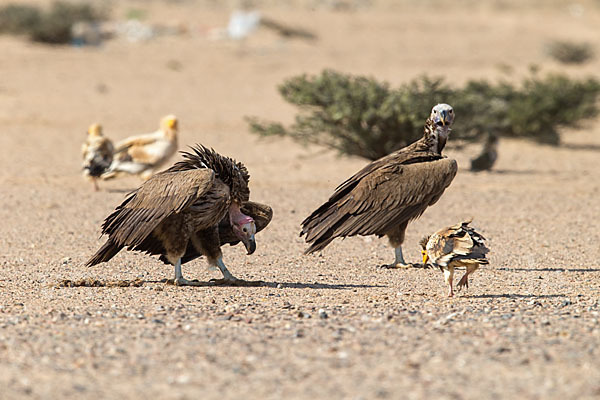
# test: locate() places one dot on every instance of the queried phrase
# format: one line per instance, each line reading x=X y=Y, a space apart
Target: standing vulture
x=97 y=153
x=455 y=246
x=188 y=210
x=144 y=154
x=383 y=197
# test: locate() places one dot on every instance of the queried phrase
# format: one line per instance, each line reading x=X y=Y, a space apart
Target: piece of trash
x=242 y=23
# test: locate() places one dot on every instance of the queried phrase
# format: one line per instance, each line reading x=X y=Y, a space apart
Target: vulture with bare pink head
x=186 y=211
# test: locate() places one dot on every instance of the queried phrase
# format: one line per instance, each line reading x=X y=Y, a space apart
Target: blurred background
x=216 y=63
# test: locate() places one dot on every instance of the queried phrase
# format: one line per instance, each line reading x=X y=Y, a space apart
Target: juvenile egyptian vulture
x=383 y=197
x=144 y=154
x=455 y=246
x=97 y=154
x=188 y=210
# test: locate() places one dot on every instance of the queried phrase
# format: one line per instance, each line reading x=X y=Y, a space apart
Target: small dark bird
x=383 y=197
x=97 y=154
x=455 y=246
x=486 y=160
x=188 y=210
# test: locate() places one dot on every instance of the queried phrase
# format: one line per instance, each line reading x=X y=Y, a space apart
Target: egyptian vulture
x=188 y=210
x=144 y=154
x=455 y=246
x=97 y=153
x=383 y=197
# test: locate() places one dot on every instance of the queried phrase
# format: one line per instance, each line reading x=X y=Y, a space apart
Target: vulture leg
x=448 y=275
x=396 y=239
x=95 y=182
x=207 y=243
x=398 y=261
x=179 y=279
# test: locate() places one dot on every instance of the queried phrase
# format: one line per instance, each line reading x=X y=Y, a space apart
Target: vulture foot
x=234 y=282
x=183 y=282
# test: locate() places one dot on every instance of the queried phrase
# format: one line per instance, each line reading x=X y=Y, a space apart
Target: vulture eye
x=450 y=112
x=245 y=230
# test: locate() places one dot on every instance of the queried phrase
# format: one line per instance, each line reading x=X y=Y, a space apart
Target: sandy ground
x=528 y=328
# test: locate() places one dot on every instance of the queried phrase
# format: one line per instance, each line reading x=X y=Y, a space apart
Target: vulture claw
x=184 y=282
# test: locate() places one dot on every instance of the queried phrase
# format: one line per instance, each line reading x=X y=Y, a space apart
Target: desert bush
x=18 y=19
x=568 y=52
x=361 y=116
x=49 y=26
x=55 y=25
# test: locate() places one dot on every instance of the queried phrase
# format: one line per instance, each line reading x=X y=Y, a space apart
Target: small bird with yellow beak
x=455 y=246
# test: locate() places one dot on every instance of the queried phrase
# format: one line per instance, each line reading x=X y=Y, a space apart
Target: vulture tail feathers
x=108 y=250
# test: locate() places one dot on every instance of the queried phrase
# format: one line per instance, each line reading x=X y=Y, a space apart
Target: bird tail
x=320 y=227
x=105 y=253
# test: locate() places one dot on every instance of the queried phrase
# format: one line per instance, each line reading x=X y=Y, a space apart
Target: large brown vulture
x=188 y=210
x=455 y=246
x=383 y=197
x=144 y=154
x=97 y=153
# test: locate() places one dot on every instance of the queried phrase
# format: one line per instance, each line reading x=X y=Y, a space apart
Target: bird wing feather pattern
x=386 y=193
x=458 y=242
x=164 y=194
x=138 y=140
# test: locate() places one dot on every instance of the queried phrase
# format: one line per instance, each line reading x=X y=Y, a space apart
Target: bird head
x=243 y=227
x=442 y=115
x=169 y=122
x=95 y=130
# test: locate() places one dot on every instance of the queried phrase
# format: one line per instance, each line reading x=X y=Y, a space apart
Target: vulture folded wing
x=379 y=200
x=164 y=194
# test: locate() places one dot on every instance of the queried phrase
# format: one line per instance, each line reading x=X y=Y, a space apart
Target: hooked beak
x=425 y=256
x=243 y=227
x=246 y=234
x=443 y=118
x=250 y=244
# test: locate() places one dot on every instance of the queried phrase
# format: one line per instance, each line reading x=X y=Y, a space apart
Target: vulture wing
x=162 y=195
x=380 y=197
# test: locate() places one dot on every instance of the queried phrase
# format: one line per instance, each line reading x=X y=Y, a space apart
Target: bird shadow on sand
x=551 y=269
x=88 y=282
x=581 y=146
x=515 y=296
x=316 y=285
x=120 y=190
x=515 y=172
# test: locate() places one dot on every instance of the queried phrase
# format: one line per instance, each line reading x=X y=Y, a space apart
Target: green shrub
x=361 y=116
x=56 y=23
x=568 y=52
x=18 y=19
x=50 y=26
